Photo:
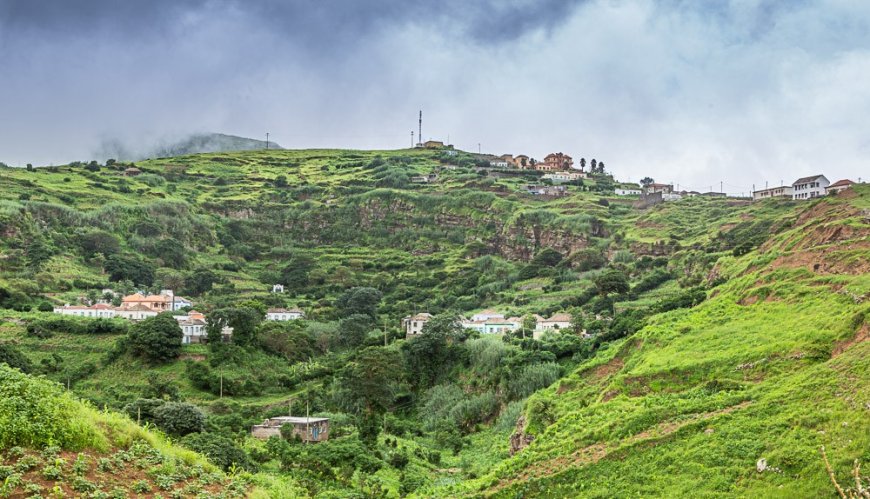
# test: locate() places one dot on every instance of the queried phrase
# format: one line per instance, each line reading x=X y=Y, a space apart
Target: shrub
x=13 y=357
x=45 y=307
x=35 y=412
x=179 y=418
x=220 y=450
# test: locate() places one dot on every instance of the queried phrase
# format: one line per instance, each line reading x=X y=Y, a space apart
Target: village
x=559 y=170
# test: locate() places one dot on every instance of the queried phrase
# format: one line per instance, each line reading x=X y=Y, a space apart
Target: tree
x=98 y=241
x=593 y=165
x=122 y=268
x=93 y=166
x=601 y=167
x=280 y=181
x=243 y=320
x=29 y=167
x=359 y=300
x=367 y=387
x=179 y=418
x=430 y=355
x=582 y=163
x=611 y=281
x=354 y=329
x=156 y=339
x=200 y=281
x=646 y=181
x=294 y=276
x=172 y=253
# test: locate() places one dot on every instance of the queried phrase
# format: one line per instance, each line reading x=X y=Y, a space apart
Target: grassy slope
x=772 y=366
x=631 y=425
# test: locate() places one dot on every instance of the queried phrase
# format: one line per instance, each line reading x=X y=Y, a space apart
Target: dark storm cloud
x=318 y=24
x=690 y=91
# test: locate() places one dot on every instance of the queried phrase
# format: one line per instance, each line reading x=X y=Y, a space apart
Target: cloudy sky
x=696 y=92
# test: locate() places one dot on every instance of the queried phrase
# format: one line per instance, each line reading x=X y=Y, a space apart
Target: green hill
x=717 y=332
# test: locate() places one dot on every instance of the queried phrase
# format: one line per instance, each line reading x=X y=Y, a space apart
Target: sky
x=694 y=92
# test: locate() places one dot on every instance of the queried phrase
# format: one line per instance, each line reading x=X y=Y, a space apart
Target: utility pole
x=420 y=128
x=267 y=141
x=478 y=148
x=412 y=139
x=720 y=186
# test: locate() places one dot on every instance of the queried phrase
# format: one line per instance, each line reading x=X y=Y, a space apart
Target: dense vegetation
x=706 y=334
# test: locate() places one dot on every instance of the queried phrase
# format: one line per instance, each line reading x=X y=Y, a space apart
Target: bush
x=220 y=450
x=13 y=357
x=45 y=307
x=143 y=410
x=179 y=418
x=35 y=412
x=686 y=299
x=653 y=280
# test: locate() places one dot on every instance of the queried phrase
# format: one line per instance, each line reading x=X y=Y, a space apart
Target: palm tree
x=582 y=163
x=593 y=166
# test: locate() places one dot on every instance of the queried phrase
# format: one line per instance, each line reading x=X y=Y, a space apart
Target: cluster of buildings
x=492 y=322
x=804 y=188
x=138 y=307
x=135 y=307
x=553 y=162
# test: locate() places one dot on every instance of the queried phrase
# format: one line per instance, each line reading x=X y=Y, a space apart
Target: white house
x=784 y=191
x=493 y=325
x=663 y=188
x=556 y=323
x=498 y=163
x=487 y=314
x=135 y=312
x=564 y=176
x=810 y=187
x=413 y=324
x=620 y=191
x=283 y=314
x=194 y=331
x=179 y=302
x=278 y=288
x=98 y=311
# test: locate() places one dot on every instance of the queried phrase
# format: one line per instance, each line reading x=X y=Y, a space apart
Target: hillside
x=715 y=332
x=192 y=144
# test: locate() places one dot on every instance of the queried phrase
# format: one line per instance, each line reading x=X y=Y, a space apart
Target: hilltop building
x=839 y=185
x=784 y=191
x=556 y=161
x=627 y=191
x=663 y=188
x=810 y=187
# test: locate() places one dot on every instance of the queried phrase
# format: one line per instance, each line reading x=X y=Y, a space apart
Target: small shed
x=308 y=429
x=132 y=172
